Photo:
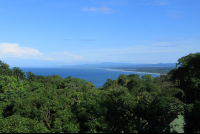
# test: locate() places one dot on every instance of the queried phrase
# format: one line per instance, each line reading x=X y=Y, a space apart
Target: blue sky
x=41 y=33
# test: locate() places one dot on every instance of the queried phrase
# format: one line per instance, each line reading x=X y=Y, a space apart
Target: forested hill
x=52 y=104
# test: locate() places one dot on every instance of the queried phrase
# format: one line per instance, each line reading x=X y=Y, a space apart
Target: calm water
x=98 y=76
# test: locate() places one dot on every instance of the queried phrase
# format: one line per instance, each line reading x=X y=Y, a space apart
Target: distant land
x=162 y=68
x=159 y=70
x=112 y=64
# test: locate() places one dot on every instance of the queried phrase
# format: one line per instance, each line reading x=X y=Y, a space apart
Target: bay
x=98 y=76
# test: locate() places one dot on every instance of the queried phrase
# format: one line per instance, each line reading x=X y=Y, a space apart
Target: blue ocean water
x=98 y=76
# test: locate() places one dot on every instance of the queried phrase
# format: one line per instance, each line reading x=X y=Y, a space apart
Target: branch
x=48 y=118
x=145 y=102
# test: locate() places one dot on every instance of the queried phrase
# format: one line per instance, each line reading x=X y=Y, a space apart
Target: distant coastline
x=160 y=68
x=121 y=70
x=149 y=70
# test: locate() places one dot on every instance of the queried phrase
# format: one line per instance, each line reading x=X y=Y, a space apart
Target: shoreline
x=122 y=70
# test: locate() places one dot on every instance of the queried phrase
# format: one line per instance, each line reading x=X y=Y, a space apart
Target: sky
x=44 y=33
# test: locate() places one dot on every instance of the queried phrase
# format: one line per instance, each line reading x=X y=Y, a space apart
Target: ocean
x=98 y=76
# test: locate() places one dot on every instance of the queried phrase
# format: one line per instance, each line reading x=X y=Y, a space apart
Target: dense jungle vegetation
x=129 y=104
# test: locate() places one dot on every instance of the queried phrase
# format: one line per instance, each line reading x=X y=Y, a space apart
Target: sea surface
x=98 y=76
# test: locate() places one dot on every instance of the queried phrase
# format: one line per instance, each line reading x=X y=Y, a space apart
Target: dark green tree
x=31 y=76
x=4 y=65
x=186 y=76
x=19 y=73
x=123 y=80
x=147 y=77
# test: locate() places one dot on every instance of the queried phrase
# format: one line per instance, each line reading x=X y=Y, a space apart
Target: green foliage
x=132 y=76
x=128 y=104
x=36 y=86
x=192 y=117
x=13 y=95
x=19 y=74
x=45 y=108
x=135 y=84
x=31 y=76
x=147 y=78
x=102 y=111
x=55 y=80
x=110 y=84
x=123 y=80
x=188 y=76
x=87 y=86
x=8 y=83
x=18 y=124
x=75 y=84
x=4 y=65
x=4 y=69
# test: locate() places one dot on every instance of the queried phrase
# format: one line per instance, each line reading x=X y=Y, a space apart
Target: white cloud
x=14 y=50
x=98 y=10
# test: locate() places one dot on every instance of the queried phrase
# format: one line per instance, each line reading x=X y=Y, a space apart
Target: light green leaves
x=18 y=124
x=8 y=83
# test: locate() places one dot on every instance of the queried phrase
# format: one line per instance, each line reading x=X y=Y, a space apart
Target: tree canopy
x=129 y=104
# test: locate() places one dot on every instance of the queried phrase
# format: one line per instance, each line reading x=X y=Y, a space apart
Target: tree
x=132 y=76
x=135 y=85
x=57 y=105
x=31 y=76
x=123 y=80
x=87 y=86
x=4 y=65
x=4 y=69
x=73 y=83
x=110 y=84
x=18 y=72
x=18 y=124
x=188 y=75
x=147 y=77
x=9 y=84
x=57 y=80
x=193 y=119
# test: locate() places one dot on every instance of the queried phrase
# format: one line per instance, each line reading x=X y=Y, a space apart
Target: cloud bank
x=14 y=50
